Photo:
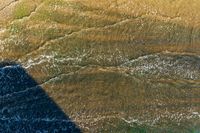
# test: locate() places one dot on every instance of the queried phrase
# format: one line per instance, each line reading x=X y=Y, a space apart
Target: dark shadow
x=26 y=108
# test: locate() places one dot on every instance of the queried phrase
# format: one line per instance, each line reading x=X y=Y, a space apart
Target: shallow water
x=124 y=66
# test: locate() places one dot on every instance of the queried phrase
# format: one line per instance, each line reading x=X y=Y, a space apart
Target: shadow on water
x=26 y=108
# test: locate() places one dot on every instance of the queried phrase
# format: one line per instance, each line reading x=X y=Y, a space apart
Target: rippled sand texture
x=112 y=66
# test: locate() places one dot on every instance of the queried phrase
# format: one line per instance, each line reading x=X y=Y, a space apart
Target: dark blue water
x=26 y=108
